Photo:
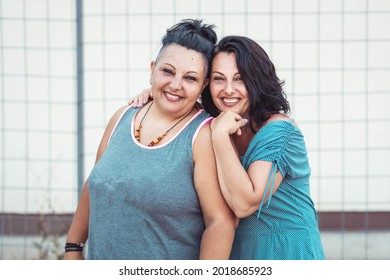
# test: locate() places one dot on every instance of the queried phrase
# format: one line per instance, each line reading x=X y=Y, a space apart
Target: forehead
x=224 y=61
x=181 y=57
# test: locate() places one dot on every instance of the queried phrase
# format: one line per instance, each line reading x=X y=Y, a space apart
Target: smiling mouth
x=172 y=97
x=230 y=101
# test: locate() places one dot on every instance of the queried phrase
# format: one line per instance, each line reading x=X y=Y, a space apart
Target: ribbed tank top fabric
x=143 y=203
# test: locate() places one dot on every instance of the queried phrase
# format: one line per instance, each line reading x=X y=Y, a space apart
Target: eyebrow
x=193 y=72
x=217 y=72
x=169 y=65
x=186 y=72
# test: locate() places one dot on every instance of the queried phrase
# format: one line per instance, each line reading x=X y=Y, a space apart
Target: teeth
x=230 y=100
x=172 y=96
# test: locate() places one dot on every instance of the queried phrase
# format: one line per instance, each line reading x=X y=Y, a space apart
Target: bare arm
x=78 y=231
x=219 y=220
x=243 y=191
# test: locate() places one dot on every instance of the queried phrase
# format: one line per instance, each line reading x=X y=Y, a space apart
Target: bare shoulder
x=109 y=128
x=281 y=117
x=278 y=117
x=115 y=117
x=203 y=135
x=202 y=141
x=114 y=120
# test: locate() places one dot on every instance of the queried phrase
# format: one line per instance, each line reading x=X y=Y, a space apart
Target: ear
x=152 y=66
x=205 y=83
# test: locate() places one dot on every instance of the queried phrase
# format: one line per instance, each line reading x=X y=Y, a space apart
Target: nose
x=175 y=84
x=229 y=89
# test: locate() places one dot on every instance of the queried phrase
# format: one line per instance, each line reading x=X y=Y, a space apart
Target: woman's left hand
x=228 y=122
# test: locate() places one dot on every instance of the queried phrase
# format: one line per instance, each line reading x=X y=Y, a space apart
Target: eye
x=168 y=71
x=218 y=78
x=238 y=80
x=191 y=78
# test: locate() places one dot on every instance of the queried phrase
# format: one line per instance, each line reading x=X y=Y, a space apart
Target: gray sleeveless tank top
x=143 y=203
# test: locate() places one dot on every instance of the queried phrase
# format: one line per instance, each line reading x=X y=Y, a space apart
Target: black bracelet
x=72 y=247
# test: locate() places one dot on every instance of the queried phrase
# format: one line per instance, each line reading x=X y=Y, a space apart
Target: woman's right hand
x=228 y=123
x=142 y=98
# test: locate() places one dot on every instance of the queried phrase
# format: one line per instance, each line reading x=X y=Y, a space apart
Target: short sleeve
x=270 y=144
x=281 y=143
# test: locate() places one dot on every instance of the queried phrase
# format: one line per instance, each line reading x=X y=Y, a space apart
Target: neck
x=161 y=115
x=153 y=121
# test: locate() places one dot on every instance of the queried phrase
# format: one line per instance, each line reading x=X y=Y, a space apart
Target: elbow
x=241 y=214
x=243 y=211
x=242 y=206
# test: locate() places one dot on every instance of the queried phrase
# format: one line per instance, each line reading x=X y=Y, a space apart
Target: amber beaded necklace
x=137 y=133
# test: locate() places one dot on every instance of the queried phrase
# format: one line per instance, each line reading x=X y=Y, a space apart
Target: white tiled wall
x=38 y=120
x=333 y=55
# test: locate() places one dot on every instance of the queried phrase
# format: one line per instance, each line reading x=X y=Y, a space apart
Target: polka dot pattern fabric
x=286 y=228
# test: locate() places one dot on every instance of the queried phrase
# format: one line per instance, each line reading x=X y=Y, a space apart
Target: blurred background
x=66 y=66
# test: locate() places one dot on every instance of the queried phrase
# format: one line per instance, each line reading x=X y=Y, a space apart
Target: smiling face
x=178 y=78
x=227 y=89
